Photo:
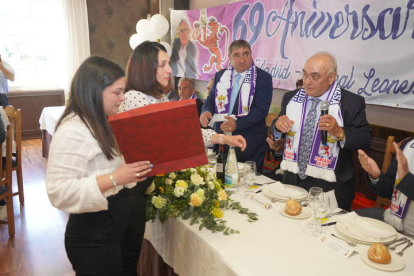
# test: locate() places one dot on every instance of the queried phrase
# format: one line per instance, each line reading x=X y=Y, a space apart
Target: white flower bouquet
x=193 y=193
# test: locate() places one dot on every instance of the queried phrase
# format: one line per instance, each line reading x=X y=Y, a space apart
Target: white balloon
x=134 y=41
x=159 y=25
x=149 y=35
x=167 y=47
x=143 y=25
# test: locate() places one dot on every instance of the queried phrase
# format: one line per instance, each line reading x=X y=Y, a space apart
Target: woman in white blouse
x=148 y=71
x=88 y=178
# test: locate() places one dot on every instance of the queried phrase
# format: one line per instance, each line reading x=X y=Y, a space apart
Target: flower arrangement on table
x=193 y=193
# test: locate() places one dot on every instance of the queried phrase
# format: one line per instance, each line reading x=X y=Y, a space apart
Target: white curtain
x=76 y=22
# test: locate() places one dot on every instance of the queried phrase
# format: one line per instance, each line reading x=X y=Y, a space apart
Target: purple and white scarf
x=399 y=201
x=194 y=96
x=247 y=89
x=322 y=160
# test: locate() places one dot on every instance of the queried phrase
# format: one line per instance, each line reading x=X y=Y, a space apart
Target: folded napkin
x=280 y=190
x=365 y=229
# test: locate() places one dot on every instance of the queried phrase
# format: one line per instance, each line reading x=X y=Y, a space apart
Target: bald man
x=307 y=161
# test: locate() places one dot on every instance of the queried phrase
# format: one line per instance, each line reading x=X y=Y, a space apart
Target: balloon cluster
x=151 y=30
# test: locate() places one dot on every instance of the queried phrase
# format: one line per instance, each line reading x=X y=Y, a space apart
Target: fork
x=351 y=243
x=399 y=240
x=336 y=213
x=398 y=244
x=408 y=245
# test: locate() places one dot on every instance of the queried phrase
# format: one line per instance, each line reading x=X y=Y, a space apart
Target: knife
x=329 y=223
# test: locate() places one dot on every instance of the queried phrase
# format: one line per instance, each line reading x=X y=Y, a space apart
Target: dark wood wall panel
x=32 y=103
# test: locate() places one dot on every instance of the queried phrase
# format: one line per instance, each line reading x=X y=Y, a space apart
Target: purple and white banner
x=372 y=41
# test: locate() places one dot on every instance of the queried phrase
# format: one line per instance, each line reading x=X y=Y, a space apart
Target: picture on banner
x=369 y=39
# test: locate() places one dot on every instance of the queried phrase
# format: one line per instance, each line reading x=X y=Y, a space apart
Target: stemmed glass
x=320 y=208
x=312 y=195
x=249 y=172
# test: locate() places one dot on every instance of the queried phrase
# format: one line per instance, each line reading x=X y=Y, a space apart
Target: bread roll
x=293 y=207
x=378 y=253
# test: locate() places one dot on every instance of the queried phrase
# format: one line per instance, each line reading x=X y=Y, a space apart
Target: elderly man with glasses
x=184 y=53
x=308 y=160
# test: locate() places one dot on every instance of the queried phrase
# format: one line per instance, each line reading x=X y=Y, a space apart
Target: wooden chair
x=6 y=182
x=15 y=118
x=382 y=202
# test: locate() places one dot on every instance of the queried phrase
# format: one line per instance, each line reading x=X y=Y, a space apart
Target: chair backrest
x=389 y=153
x=382 y=202
x=15 y=118
x=5 y=180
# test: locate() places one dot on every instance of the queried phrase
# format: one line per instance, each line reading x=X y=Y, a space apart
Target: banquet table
x=273 y=245
x=48 y=119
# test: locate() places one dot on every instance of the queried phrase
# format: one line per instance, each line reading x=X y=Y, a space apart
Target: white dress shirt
x=75 y=161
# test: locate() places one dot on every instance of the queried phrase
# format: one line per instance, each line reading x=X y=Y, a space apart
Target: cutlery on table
x=408 y=245
x=399 y=240
x=398 y=244
x=329 y=223
x=350 y=243
x=336 y=213
x=304 y=204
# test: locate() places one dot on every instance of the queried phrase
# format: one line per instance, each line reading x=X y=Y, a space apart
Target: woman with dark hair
x=88 y=178
x=148 y=71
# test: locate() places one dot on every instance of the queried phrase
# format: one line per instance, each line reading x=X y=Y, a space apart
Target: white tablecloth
x=49 y=117
x=274 y=245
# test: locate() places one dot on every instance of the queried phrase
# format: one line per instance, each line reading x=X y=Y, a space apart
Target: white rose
x=211 y=185
x=178 y=191
x=192 y=170
x=158 y=201
x=200 y=192
x=197 y=179
x=172 y=176
x=168 y=181
x=203 y=169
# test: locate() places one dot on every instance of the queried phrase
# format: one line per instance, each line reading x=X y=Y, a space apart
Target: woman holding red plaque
x=88 y=178
x=148 y=71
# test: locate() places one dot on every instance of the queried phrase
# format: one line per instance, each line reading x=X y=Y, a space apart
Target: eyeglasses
x=313 y=77
x=244 y=55
x=184 y=31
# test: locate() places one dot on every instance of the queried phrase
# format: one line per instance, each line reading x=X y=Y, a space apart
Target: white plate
x=303 y=215
x=271 y=195
x=341 y=228
x=397 y=263
x=303 y=192
x=278 y=199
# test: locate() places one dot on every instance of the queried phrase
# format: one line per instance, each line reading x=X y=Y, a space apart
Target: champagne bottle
x=231 y=172
x=221 y=164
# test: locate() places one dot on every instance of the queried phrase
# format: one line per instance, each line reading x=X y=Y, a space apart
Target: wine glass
x=312 y=195
x=320 y=208
x=250 y=172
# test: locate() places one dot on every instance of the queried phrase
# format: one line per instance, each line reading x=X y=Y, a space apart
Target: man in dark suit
x=170 y=93
x=186 y=90
x=329 y=165
x=242 y=93
x=184 y=53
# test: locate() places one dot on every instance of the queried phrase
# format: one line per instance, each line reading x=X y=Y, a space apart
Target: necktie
x=307 y=138
x=234 y=92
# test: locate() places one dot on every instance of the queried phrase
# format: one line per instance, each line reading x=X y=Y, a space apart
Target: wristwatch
x=341 y=137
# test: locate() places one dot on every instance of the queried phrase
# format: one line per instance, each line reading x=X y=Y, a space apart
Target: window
x=33 y=42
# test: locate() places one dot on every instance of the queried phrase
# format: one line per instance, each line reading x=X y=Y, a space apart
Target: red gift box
x=166 y=134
